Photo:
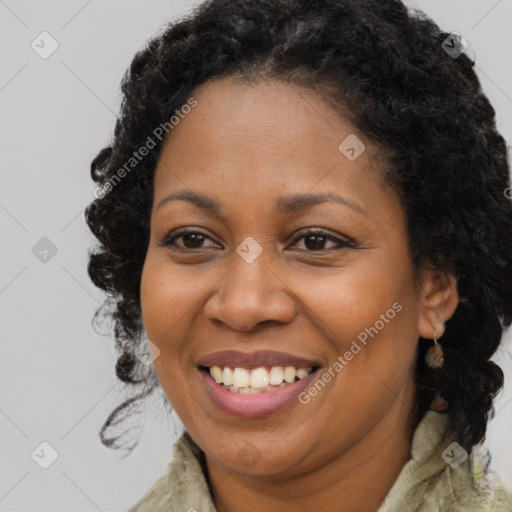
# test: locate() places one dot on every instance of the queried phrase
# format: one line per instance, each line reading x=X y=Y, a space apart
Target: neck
x=358 y=479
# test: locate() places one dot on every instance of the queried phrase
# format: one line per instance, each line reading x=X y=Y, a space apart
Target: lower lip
x=253 y=405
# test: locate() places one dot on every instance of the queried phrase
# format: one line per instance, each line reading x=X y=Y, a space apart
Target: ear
x=439 y=299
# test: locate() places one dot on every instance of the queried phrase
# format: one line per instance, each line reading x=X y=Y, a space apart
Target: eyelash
x=168 y=240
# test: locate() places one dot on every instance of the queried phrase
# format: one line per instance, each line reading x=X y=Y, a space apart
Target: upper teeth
x=257 y=378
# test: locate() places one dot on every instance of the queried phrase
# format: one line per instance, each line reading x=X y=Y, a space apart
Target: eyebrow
x=285 y=205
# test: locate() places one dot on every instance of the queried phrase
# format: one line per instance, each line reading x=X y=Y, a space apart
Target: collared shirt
x=438 y=477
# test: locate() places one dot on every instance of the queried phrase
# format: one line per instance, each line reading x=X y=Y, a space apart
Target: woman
x=303 y=215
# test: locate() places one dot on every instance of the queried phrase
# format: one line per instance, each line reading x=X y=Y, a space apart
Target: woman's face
x=254 y=278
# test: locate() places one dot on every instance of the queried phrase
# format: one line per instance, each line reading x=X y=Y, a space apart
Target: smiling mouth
x=263 y=379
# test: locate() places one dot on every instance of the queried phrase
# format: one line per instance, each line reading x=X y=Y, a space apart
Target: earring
x=435 y=357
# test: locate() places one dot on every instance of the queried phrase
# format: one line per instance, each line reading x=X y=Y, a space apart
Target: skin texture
x=245 y=145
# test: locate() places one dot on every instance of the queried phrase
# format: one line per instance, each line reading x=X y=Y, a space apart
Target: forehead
x=263 y=139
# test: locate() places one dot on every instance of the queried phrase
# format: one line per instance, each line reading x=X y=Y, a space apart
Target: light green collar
x=426 y=483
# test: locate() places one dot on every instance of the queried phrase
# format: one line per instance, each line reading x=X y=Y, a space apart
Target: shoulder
x=156 y=499
x=434 y=481
x=487 y=483
x=498 y=499
x=480 y=489
x=503 y=500
x=183 y=487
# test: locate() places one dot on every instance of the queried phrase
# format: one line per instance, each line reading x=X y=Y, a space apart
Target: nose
x=251 y=294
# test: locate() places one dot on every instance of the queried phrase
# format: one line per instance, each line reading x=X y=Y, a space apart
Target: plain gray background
x=58 y=380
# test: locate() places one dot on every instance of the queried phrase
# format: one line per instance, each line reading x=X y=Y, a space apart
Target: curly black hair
x=387 y=69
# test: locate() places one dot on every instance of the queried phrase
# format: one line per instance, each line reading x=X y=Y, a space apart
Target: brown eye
x=315 y=240
x=190 y=239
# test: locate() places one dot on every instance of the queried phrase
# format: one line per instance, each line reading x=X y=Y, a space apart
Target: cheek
x=346 y=302
x=167 y=297
x=367 y=312
x=155 y=295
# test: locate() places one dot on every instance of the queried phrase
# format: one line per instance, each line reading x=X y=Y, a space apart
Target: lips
x=234 y=359
x=253 y=406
